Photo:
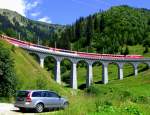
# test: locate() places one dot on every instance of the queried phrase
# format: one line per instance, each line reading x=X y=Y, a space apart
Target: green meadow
x=130 y=96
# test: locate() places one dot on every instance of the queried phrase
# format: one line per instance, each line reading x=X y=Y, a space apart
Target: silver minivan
x=39 y=100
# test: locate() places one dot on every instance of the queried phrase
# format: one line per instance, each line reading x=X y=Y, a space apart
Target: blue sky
x=65 y=11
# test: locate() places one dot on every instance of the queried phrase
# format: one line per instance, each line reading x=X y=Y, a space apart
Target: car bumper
x=24 y=105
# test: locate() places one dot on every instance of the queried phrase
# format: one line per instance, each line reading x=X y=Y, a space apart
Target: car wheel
x=65 y=105
x=39 y=108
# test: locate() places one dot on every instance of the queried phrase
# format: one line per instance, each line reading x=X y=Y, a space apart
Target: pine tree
x=146 y=49
x=121 y=51
x=126 y=52
x=89 y=30
x=102 y=23
x=96 y=24
x=79 y=28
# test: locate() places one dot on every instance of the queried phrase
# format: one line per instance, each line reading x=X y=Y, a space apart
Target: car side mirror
x=59 y=96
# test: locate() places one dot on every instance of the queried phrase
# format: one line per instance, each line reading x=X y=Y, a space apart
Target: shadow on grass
x=143 y=69
x=82 y=86
x=99 y=82
x=68 y=85
x=132 y=74
x=67 y=81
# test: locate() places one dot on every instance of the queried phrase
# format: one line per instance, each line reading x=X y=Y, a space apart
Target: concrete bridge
x=42 y=54
x=74 y=59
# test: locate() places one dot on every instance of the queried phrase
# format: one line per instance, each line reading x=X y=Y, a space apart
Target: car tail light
x=28 y=98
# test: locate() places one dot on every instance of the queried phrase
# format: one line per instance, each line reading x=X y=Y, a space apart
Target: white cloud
x=29 y=6
x=35 y=14
x=45 y=19
x=17 y=5
x=20 y=6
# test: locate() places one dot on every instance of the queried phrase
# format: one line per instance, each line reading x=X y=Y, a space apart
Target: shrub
x=93 y=90
x=63 y=69
x=140 y=99
x=105 y=106
x=132 y=110
x=40 y=83
x=125 y=95
x=7 y=73
x=13 y=48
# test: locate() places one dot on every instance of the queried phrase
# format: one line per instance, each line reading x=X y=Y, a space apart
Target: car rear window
x=22 y=93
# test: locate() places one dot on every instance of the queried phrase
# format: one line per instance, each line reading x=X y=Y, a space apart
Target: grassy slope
x=29 y=73
x=129 y=96
x=118 y=97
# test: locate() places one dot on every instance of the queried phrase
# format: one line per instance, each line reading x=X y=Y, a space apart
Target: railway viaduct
x=89 y=61
x=74 y=59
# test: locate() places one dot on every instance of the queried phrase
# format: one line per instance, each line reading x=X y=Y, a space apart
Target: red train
x=94 y=55
x=69 y=52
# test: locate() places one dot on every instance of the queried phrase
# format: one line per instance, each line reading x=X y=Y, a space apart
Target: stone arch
x=128 y=69
x=148 y=63
x=35 y=56
x=82 y=66
x=82 y=63
x=97 y=72
x=113 y=71
x=66 y=68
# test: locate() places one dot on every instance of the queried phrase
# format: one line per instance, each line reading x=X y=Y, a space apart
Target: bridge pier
x=42 y=57
x=105 y=72
x=57 y=71
x=42 y=62
x=74 y=75
x=120 y=71
x=89 y=79
x=135 y=69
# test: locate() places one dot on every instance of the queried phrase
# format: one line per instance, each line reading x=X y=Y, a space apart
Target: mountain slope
x=29 y=74
x=108 y=31
x=13 y=24
x=104 y=32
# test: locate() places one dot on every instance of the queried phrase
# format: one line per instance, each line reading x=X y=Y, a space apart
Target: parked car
x=39 y=100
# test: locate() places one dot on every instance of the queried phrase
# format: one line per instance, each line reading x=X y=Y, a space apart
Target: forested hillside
x=15 y=25
x=108 y=31
x=103 y=32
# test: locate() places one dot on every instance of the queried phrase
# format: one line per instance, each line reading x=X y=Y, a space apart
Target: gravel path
x=9 y=109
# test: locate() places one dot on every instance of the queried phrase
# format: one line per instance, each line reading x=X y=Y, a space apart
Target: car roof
x=35 y=90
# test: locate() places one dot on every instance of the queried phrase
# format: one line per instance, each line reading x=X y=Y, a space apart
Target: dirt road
x=9 y=109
